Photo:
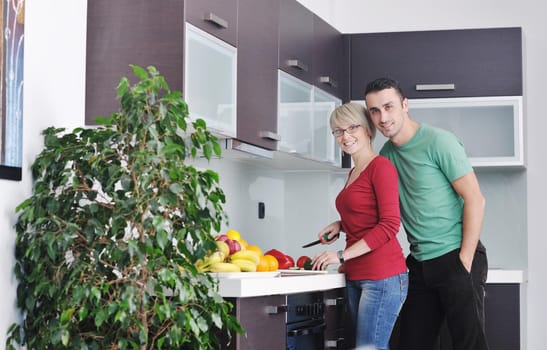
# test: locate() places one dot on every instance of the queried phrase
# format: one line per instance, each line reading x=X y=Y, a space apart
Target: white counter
x=506 y=276
x=251 y=287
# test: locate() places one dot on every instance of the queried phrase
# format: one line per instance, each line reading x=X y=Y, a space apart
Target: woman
x=368 y=205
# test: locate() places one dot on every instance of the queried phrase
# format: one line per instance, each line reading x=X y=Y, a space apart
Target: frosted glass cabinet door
x=325 y=147
x=294 y=122
x=489 y=127
x=210 y=81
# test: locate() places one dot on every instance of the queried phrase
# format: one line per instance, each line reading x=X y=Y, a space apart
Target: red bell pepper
x=285 y=261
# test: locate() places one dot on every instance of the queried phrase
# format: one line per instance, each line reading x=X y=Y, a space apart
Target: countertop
x=261 y=286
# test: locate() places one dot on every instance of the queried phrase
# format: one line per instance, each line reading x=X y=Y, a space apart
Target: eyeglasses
x=352 y=129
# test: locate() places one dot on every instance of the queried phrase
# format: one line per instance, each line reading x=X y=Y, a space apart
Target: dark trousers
x=439 y=289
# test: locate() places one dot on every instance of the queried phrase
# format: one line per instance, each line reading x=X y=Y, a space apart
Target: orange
x=263 y=264
x=243 y=243
x=233 y=234
x=255 y=248
x=273 y=264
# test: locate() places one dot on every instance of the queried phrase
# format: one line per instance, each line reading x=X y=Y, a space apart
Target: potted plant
x=107 y=243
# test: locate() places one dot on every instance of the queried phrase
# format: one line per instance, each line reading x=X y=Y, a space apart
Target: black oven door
x=306 y=335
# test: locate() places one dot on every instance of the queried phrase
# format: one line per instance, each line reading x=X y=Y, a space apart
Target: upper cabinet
x=296 y=40
x=124 y=32
x=217 y=17
x=210 y=64
x=258 y=22
x=444 y=63
x=312 y=50
x=210 y=80
x=330 y=59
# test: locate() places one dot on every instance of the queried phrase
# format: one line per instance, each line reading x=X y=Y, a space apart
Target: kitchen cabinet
x=443 y=63
x=330 y=64
x=296 y=40
x=491 y=128
x=210 y=80
x=127 y=32
x=303 y=120
x=216 y=17
x=337 y=330
x=264 y=324
x=312 y=50
x=257 y=73
x=502 y=318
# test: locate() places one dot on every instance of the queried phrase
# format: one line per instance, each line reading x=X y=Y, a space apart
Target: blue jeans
x=374 y=307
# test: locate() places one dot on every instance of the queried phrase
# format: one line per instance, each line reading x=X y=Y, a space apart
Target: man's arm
x=468 y=188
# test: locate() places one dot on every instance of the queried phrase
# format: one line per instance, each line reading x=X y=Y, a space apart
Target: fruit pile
x=234 y=254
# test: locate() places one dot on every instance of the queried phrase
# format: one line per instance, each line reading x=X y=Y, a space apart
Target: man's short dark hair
x=382 y=84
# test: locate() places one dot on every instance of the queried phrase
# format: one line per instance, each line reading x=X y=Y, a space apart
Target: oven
x=305 y=321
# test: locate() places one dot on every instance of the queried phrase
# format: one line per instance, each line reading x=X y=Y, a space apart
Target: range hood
x=235 y=149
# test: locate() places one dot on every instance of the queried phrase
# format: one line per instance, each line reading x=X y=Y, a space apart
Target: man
x=442 y=210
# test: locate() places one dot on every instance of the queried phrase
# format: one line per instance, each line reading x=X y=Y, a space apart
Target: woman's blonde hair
x=352 y=113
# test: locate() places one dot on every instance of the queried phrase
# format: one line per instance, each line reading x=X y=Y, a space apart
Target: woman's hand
x=322 y=260
x=331 y=231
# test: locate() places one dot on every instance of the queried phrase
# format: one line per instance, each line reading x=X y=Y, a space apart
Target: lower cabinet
x=502 y=316
x=337 y=330
x=302 y=321
x=263 y=319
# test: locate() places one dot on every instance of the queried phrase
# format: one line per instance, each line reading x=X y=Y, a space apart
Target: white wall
x=351 y=16
x=54 y=74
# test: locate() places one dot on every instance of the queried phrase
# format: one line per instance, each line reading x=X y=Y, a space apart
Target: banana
x=224 y=248
x=213 y=258
x=245 y=265
x=249 y=255
x=224 y=267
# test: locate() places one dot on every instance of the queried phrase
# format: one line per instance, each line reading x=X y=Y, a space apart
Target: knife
x=325 y=236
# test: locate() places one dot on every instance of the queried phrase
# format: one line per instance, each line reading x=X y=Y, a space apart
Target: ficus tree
x=107 y=242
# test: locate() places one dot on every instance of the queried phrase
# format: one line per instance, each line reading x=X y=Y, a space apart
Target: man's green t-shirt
x=431 y=211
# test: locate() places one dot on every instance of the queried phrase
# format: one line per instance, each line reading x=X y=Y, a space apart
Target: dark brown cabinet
x=258 y=23
x=216 y=17
x=296 y=40
x=330 y=59
x=124 y=32
x=444 y=63
x=337 y=331
x=264 y=326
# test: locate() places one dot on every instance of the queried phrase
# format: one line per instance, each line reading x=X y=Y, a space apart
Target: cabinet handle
x=335 y=302
x=330 y=343
x=297 y=64
x=219 y=21
x=278 y=309
x=328 y=81
x=269 y=135
x=306 y=331
x=428 y=87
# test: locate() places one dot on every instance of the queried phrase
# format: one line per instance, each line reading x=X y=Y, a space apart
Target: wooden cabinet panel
x=296 y=40
x=479 y=62
x=124 y=32
x=330 y=59
x=217 y=17
x=257 y=72
x=264 y=330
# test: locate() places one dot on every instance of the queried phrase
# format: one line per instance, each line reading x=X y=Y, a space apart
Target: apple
x=233 y=245
x=222 y=238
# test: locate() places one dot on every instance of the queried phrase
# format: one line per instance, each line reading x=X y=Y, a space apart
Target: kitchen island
x=265 y=307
